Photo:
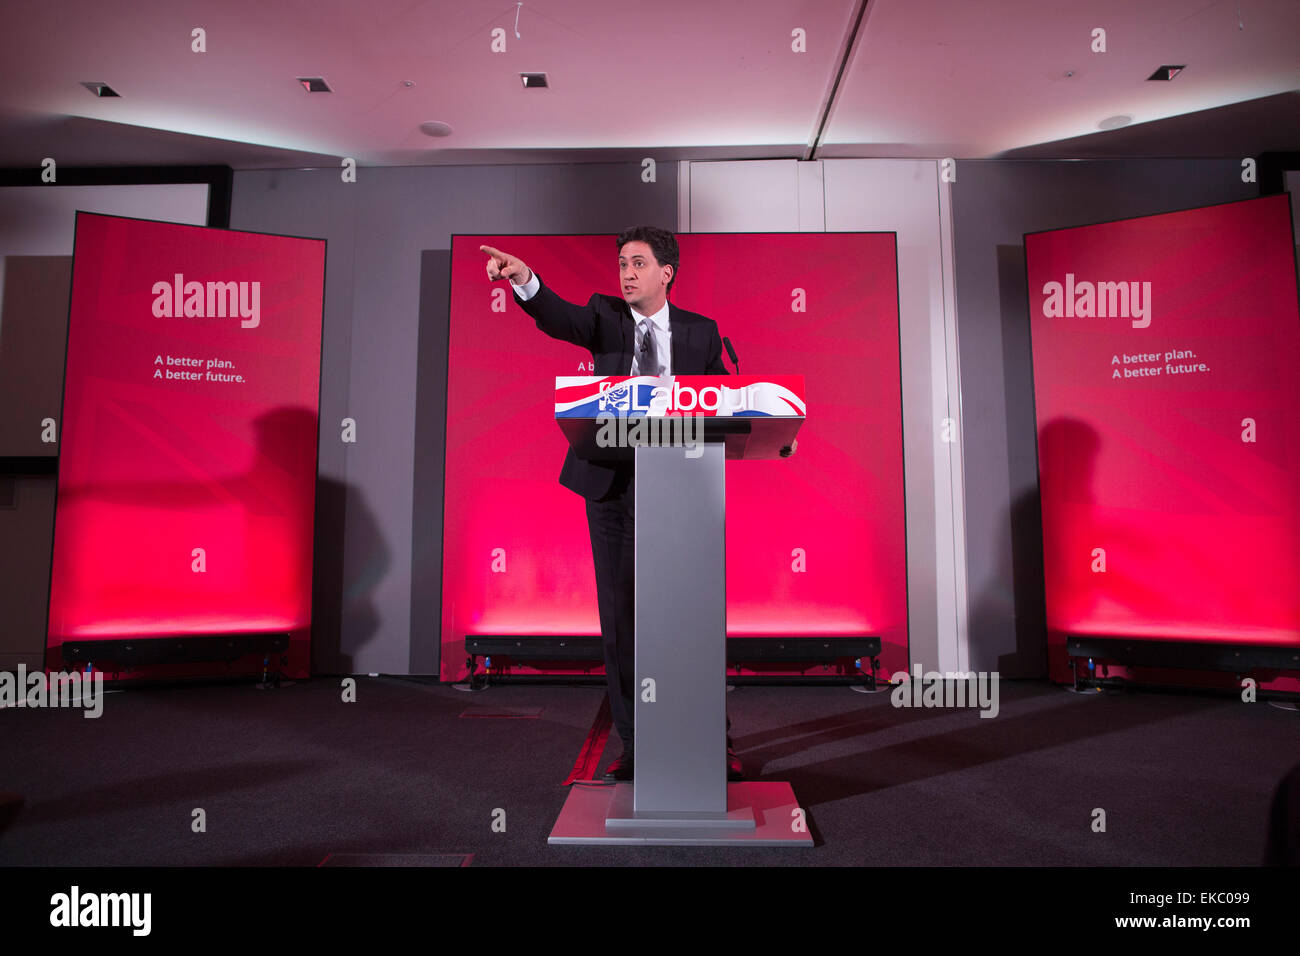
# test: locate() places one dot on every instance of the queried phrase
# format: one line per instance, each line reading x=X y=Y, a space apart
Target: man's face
x=642 y=280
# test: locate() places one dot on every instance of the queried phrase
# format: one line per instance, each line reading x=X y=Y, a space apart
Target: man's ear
x=671 y=272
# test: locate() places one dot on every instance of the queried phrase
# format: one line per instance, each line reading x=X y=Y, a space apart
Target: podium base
x=758 y=814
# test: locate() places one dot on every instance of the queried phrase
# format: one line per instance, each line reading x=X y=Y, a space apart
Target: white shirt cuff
x=528 y=289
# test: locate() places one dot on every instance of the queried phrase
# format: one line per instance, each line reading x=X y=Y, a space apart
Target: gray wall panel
x=315 y=204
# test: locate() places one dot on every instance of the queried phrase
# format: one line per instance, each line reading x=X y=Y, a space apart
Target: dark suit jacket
x=605 y=328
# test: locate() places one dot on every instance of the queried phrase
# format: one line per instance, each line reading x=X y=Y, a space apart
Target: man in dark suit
x=640 y=334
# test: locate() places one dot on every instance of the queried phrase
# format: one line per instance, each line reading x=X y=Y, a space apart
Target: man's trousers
x=612 y=524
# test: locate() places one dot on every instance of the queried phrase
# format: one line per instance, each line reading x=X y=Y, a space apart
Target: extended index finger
x=494 y=253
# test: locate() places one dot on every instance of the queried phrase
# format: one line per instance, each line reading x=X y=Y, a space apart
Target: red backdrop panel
x=839 y=500
x=152 y=467
x=1169 y=442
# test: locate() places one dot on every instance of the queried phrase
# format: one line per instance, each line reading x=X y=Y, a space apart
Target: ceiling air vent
x=533 y=81
x=100 y=89
x=1167 y=72
x=314 y=84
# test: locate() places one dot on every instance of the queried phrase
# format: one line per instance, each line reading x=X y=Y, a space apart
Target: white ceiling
x=684 y=78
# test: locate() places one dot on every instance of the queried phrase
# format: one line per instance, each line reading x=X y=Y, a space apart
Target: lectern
x=681 y=430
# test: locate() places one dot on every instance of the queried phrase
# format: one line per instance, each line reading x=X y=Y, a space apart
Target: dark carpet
x=405 y=777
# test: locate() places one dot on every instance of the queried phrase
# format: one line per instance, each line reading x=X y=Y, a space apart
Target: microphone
x=732 y=352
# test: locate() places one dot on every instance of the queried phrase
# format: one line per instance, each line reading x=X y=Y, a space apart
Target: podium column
x=681 y=632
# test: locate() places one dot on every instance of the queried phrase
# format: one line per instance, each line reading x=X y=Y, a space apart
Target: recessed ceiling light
x=314 y=84
x=1167 y=72
x=100 y=89
x=1115 y=122
x=533 y=80
x=435 y=128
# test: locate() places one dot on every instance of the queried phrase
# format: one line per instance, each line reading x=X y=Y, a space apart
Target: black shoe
x=735 y=769
x=621 y=769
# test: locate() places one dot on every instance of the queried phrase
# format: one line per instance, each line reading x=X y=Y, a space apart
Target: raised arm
x=557 y=317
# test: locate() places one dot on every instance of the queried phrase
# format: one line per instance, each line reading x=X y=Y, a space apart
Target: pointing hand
x=502 y=265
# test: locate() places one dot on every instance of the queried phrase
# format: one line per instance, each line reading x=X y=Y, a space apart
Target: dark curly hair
x=661 y=242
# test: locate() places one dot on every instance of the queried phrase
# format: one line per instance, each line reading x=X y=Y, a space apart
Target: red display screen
x=815 y=543
x=187 y=460
x=1166 y=354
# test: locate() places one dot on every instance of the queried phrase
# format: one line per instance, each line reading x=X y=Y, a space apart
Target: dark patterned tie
x=649 y=361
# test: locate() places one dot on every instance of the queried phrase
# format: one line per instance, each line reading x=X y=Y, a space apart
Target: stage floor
x=416 y=773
